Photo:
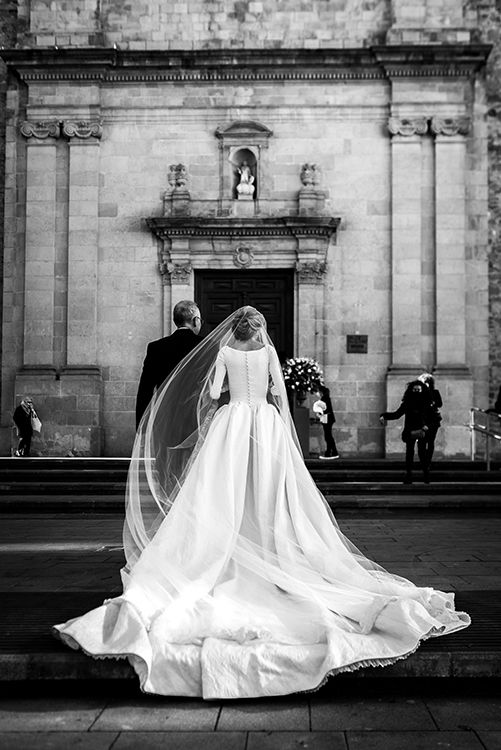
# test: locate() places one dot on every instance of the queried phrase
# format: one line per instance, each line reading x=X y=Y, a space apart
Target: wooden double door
x=219 y=293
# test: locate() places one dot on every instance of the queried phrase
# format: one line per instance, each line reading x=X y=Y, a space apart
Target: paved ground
x=342 y=717
x=82 y=553
x=73 y=552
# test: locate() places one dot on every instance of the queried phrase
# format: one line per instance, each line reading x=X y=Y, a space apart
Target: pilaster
x=40 y=243
x=450 y=238
x=83 y=240
x=406 y=293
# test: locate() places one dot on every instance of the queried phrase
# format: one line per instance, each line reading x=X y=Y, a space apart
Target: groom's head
x=187 y=315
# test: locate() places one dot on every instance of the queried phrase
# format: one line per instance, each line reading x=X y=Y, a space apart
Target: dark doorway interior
x=219 y=293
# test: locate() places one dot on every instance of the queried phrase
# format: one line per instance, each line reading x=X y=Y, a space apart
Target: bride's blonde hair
x=247 y=323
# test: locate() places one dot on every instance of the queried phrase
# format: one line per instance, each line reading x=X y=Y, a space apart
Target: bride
x=238 y=581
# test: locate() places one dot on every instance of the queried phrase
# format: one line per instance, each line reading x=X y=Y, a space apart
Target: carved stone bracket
x=243 y=256
x=408 y=126
x=82 y=129
x=450 y=125
x=179 y=273
x=311 y=272
x=41 y=129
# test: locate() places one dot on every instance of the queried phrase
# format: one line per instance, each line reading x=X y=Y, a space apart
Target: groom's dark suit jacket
x=162 y=356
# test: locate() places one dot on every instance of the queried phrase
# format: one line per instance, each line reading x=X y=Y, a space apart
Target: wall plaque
x=357 y=344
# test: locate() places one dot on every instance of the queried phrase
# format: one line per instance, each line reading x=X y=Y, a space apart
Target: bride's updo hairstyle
x=247 y=323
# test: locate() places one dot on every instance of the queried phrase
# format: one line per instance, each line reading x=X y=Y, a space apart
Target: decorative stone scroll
x=311 y=272
x=450 y=125
x=408 y=126
x=41 y=129
x=243 y=256
x=179 y=273
x=82 y=129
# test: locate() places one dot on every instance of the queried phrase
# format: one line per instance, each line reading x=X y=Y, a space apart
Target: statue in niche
x=245 y=187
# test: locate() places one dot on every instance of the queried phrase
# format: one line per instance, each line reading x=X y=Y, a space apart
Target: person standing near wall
x=24 y=416
x=434 y=416
x=415 y=409
x=327 y=419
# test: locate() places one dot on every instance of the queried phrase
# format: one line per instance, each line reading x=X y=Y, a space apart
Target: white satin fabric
x=249 y=588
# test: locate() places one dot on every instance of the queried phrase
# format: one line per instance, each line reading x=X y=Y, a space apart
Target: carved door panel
x=219 y=293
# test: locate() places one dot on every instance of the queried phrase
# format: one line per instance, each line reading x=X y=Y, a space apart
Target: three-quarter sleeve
x=220 y=372
x=275 y=373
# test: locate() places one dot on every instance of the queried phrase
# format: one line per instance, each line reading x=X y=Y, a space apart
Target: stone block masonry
x=87 y=284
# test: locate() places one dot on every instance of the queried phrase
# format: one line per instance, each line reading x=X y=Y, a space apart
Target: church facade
x=327 y=164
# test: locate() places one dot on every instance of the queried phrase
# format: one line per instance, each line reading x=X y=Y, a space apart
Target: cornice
x=108 y=66
x=166 y=227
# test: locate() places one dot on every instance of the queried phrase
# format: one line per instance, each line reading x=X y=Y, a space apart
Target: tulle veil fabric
x=174 y=428
x=238 y=581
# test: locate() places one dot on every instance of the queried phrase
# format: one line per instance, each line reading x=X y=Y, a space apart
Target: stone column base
x=69 y=404
x=455 y=384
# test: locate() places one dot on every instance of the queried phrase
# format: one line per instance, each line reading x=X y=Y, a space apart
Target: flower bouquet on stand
x=302 y=375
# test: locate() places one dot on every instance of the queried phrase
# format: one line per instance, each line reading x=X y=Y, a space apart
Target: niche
x=245 y=174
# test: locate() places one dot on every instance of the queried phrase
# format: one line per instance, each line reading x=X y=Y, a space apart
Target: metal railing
x=483 y=429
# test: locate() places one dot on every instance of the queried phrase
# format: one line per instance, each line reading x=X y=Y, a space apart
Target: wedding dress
x=239 y=582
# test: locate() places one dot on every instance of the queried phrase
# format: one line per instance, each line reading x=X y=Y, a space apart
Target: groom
x=163 y=355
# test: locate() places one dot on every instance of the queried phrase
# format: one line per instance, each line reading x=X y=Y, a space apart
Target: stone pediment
x=244 y=130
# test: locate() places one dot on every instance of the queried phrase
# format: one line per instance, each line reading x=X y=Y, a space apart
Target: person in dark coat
x=163 y=355
x=22 y=416
x=496 y=409
x=415 y=409
x=434 y=416
x=327 y=419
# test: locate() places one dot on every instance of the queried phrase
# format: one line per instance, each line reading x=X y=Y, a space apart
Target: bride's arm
x=217 y=383
x=277 y=387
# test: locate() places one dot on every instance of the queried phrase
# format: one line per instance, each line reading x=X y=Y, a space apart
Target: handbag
x=36 y=425
x=417 y=434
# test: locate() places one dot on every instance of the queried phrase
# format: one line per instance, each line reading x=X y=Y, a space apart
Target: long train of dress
x=248 y=587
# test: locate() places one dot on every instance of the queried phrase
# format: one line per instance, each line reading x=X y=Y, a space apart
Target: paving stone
x=482 y=712
x=271 y=715
x=180 y=741
x=157 y=714
x=56 y=740
x=296 y=741
x=61 y=714
x=491 y=740
x=383 y=713
x=413 y=741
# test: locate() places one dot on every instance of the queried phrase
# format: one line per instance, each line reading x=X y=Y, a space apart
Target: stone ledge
x=205 y=66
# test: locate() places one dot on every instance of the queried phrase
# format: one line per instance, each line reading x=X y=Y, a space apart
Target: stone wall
x=489 y=31
x=9 y=29
x=95 y=280
x=197 y=24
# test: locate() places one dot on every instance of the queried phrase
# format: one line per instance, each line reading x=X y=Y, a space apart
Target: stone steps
x=28 y=651
x=89 y=484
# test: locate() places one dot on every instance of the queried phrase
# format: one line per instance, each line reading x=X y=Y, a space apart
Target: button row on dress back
x=248 y=377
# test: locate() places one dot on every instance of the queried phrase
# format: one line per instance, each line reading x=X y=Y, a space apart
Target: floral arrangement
x=302 y=374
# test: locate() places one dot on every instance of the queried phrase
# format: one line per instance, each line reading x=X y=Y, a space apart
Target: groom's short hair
x=184 y=312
